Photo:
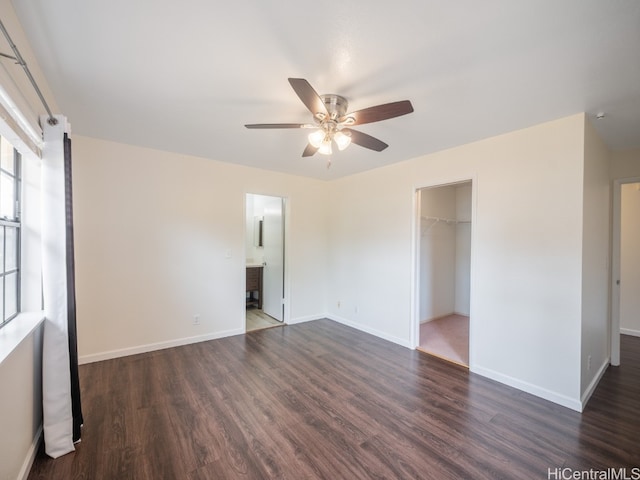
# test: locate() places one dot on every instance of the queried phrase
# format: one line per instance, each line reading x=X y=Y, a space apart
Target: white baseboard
x=31 y=455
x=443 y=316
x=372 y=331
x=97 y=357
x=594 y=383
x=124 y=352
x=572 y=403
x=427 y=320
x=308 y=318
x=628 y=331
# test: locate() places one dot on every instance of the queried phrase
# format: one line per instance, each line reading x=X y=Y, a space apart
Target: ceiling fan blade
x=309 y=151
x=379 y=112
x=366 y=141
x=277 y=125
x=308 y=95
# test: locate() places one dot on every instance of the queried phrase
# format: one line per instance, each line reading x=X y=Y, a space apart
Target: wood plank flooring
x=323 y=401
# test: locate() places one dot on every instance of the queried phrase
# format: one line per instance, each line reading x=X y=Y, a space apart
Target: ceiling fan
x=332 y=123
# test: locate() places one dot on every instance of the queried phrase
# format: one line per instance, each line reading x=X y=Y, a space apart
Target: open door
x=273 y=237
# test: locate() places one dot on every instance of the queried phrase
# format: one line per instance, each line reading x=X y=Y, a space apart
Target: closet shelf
x=436 y=220
x=446 y=220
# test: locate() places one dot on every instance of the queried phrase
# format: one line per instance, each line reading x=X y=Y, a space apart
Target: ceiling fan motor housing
x=336 y=106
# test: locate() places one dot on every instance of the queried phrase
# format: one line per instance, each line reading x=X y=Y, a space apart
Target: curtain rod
x=20 y=61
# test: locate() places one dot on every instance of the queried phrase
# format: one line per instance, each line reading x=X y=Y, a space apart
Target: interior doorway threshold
x=442 y=357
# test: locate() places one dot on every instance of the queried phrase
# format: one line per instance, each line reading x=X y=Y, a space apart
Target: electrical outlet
x=338 y=303
x=196 y=319
x=356 y=309
x=589 y=363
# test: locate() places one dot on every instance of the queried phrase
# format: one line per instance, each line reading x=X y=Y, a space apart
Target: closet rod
x=447 y=220
x=20 y=61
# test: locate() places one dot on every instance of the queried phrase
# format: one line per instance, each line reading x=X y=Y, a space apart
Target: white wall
x=625 y=164
x=20 y=405
x=630 y=260
x=249 y=247
x=527 y=252
x=437 y=253
x=254 y=208
x=161 y=237
x=596 y=231
x=463 y=249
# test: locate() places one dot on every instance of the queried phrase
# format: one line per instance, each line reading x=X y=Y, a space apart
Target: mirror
x=257 y=231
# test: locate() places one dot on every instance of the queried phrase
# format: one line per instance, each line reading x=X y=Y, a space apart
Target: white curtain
x=56 y=388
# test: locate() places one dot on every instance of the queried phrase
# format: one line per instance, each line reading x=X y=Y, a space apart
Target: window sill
x=12 y=334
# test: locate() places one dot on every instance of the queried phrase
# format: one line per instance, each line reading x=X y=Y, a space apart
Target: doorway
x=626 y=263
x=265 y=261
x=444 y=270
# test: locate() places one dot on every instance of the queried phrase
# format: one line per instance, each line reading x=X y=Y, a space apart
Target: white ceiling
x=186 y=76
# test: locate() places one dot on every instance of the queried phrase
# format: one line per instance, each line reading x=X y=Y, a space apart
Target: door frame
x=286 y=209
x=616 y=234
x=415 y=260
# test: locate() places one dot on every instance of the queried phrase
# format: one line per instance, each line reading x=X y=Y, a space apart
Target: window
x=9 y=231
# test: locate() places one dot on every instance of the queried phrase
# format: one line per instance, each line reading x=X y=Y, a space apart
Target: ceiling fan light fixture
x=325 y=147
x=343 y=140
x=316 y=138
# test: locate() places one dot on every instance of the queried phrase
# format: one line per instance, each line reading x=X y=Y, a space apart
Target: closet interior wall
x=445 y=250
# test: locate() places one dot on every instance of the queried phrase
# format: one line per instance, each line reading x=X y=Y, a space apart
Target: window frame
x=12 y=223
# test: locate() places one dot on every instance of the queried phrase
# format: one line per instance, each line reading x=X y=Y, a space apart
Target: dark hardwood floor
x=321 y=400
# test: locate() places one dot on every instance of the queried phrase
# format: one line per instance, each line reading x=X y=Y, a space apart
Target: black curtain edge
x=76 y=406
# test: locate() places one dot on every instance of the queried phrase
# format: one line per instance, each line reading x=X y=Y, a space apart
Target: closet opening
x=444 y=270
